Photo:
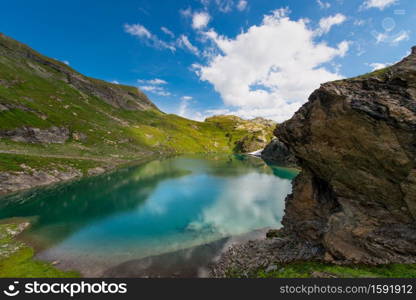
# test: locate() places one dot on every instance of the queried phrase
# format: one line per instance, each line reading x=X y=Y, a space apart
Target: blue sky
x=202 y=57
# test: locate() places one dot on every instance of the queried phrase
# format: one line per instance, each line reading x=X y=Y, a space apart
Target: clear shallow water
x=163 y=206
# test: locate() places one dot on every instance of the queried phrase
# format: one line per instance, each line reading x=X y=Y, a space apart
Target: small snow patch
x=256 y=153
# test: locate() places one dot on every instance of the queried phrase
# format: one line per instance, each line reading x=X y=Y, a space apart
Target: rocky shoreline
x=29 y=178
x=19 y=181
x=244 y=260
x=12 y=182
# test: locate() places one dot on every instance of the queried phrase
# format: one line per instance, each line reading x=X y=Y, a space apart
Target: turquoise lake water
x=163 y=206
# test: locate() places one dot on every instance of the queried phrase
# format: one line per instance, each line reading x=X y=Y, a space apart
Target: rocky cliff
x=356 y=142
x=245 y=135
x=355 y=199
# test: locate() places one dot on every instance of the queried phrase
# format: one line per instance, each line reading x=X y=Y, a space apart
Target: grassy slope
x=19 y=163
x=36 y=91
x=243 y=135
x=41 y=96
x=111 y=132
x=16 y=259
x=108 y=129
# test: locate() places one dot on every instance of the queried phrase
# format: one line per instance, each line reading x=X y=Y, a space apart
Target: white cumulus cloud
x=323 y=5
x=242 y=5
x=167 y=31
x=186 y=12
x=200 y=20
x=378 y=66
x=137 y=30
x=380 y=4
x=158 y=90
x=325 y=24
x=144 y=34
x=155 y=81
x=186 y=98
x=183 y=109
x=270 y=69
x=224 y=5
x=184 y=42
x=154 y=86
x=392 y=39
x=403 y=36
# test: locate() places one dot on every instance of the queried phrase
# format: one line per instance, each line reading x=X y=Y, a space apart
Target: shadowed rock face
x=277 y=153
x=356 y=142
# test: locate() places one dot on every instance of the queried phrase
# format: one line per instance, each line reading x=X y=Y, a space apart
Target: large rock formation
x=356 y=142
x=277 y=153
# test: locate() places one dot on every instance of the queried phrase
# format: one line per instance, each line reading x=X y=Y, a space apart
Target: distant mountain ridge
x=117 y=95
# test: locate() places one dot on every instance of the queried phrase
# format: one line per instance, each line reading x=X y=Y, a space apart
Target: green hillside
x=49 y=110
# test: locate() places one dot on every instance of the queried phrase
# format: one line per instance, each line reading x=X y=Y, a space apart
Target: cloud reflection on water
x=163 y=206
x=247 y=202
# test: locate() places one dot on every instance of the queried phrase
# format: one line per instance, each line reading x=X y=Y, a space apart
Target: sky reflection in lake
x=158 y=207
